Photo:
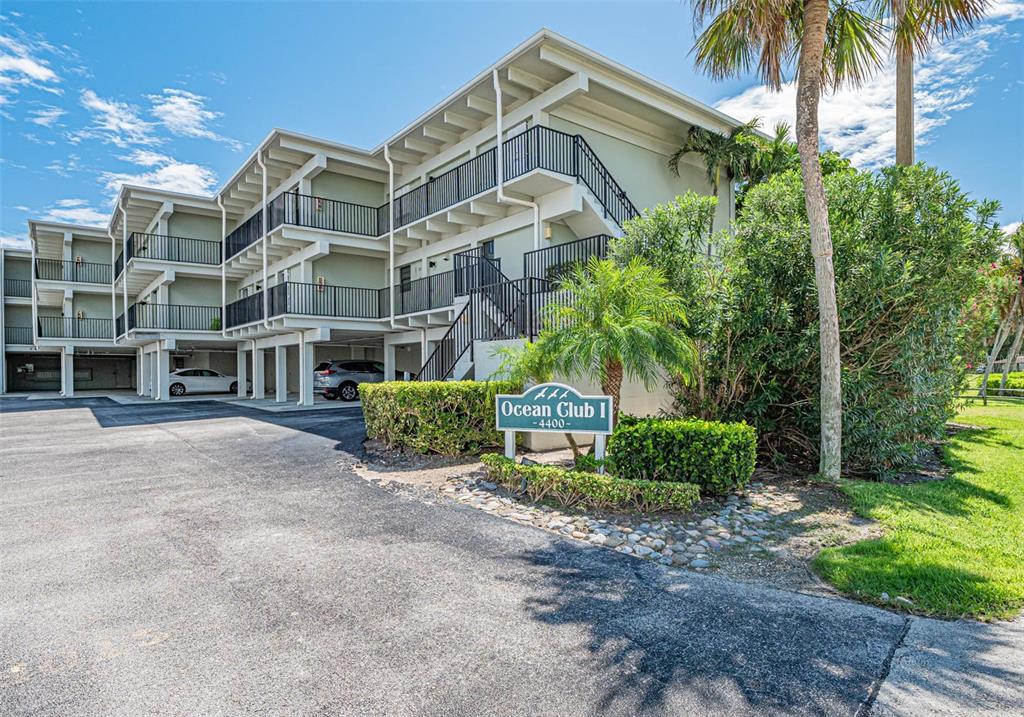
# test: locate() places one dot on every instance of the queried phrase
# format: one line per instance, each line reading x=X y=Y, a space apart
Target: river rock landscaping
x=767 y=533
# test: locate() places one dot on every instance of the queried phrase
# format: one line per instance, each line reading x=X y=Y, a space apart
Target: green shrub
x=446 y=417
x=1014 y=380
x=718 y=457
x=909 y=244
x=589 y=490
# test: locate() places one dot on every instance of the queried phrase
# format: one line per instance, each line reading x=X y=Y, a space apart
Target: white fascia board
x=643 y=89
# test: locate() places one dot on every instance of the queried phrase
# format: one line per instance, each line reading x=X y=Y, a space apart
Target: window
x=208 y=373
x=190 y=372
x=488 y=248
x=323 y=366
x=405 y=276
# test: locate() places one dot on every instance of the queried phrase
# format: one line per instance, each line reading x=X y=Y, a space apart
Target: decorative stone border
x=743 y=522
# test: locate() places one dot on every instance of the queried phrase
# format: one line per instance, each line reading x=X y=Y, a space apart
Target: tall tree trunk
x=904 y=107
x=611 y=384
x=1001 y=335
x=809 y=88
x=1011 y=357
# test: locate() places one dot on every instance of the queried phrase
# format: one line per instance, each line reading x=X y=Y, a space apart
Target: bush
x=589 y=490
x=1014 y=380
x=446 y=417
x=908 y=248
x=718 y=457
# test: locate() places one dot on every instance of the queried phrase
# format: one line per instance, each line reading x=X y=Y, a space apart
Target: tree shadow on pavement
x=668 y=641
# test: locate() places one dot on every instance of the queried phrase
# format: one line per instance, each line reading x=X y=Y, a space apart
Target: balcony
x=173 y=317
x=85 y=272
x=296 y=298
x=536 y=148
x=171 y=248
x=21 y=288
x=555 y=261
x=69 y=327
x=18 y=335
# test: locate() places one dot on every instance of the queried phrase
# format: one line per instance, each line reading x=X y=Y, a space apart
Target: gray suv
x=339 y=379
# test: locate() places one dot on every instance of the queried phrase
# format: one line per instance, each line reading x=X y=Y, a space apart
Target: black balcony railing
x=119 y=325
x=18 y=335
x=244 y=311
x=428 y=292
x=247 y=232
x=77 y=271
x=69 y=327
x=536 y=148
x=321 y=213
x=119 y=264
x=17 y=287
x=554 y=261
x=171 y=248
x=173 y=317
x=323 y=300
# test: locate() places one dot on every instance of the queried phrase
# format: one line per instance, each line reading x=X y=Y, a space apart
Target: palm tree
x=622 y=322
x=913 y=25
x=833 y=44
x=734 y=151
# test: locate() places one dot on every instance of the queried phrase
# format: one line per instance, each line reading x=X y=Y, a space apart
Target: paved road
x=207 y=559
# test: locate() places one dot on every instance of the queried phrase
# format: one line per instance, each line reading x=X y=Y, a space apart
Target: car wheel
x=348 y=392
x=233 y=388
x=177 y=389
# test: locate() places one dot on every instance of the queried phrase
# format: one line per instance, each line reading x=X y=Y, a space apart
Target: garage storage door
x=33 y=372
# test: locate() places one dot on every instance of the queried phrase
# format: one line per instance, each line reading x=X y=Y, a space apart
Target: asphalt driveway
x=208 y=559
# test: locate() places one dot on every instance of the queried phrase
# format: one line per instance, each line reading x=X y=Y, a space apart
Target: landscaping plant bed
x=768 y=533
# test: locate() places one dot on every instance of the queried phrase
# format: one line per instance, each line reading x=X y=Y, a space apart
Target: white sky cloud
x=22 y=64
x=163 y=173
x=1010 y=228
x=185 y=114
x=67 y=167
x=46 y=116
x=117 y=123
x=75 y=211
x=861 y=123
x=15 y=242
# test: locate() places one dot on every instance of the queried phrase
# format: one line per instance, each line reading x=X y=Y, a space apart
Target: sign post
x=554 y=408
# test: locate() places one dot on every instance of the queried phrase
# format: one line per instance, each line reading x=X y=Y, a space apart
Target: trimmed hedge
x=1015 y=380
x=718 y=457
x=589 y=490
x=446 y=417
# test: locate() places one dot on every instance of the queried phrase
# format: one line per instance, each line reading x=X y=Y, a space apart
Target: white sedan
x=202 y=380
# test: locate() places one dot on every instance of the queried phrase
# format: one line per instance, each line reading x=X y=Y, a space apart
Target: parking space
x=207 y=558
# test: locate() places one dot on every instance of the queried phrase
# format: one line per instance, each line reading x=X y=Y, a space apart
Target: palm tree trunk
x=611 y=385
x=809 y=88
x=904 y=107
x=1011 y=357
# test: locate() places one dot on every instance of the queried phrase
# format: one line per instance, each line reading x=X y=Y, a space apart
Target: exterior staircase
x=497 y=307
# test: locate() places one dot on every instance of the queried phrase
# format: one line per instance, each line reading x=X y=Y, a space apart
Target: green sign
x=555 y=408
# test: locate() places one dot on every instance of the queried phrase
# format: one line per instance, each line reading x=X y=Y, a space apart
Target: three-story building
x=416 y=253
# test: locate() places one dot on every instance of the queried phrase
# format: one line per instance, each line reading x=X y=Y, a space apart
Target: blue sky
x=177 y=94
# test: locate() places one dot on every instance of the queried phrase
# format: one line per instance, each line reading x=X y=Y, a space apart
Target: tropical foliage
x=623 y=322
x=908 y=246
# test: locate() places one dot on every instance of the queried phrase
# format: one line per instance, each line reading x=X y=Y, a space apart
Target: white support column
x=67 y=372
x=163 y=368
x=306 y=350
x=140 y=372
x=280 y=374
x=389 y=362
x=149 y=385
x=258 y=375
x=241 y=371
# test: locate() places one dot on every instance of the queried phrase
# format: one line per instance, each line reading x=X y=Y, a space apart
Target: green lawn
x=953 y=547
